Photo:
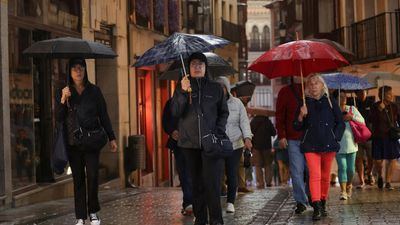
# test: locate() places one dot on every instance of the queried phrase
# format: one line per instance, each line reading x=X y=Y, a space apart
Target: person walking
x=364 y=153
x=170 y=126
x=199 y=101
x=282 y=157
x=239 y=133
x=384 y=115
x=346 y=157
x=263 y=131
x=85 y=102
x=322 y=121
x=288 y=102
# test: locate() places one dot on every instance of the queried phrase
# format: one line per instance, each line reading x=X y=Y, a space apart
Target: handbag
x=394 y=130
x=59 y=158
x=94 y=139
x=215 y=145
x=361 y=133
x=247 y=158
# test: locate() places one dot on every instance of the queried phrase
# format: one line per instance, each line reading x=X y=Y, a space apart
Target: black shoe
x=300 y=208
x=324 y=213
x=317 y=211
x=380 y=182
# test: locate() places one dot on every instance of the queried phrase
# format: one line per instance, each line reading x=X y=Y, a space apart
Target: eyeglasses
x=78 y=68
x=197 y=64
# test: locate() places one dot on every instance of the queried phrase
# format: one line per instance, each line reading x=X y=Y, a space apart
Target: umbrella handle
x=184 y=72
x=302 y=84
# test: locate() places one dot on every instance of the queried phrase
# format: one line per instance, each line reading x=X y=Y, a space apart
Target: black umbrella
x=243 y=88
x=347 y=54
x=67 y=47
x=217 y=66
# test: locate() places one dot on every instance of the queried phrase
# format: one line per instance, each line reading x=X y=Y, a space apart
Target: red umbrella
x=298 y=58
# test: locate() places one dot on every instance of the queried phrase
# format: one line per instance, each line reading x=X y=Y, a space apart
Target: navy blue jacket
x=323 y=126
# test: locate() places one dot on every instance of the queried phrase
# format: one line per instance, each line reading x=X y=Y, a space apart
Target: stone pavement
x=161 y=206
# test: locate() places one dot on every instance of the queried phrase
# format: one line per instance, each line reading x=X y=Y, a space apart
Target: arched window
x=266 y=39
x=254 y=39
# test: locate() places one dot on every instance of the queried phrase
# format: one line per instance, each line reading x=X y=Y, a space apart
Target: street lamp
x=282 y=32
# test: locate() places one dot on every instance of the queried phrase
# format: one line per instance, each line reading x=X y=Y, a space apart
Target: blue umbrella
x=343 y=81
x=179 y=46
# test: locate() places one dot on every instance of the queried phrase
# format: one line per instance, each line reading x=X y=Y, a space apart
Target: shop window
x=29 y=8
x=141 y=11
x=23 y=155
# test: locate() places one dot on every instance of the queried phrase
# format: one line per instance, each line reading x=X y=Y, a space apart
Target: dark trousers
x=79 y=160
x=206 y=181
x=231 y=171
x=184 y=177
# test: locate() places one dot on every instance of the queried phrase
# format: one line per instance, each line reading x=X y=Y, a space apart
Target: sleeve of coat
x=61 y=109
x=281 y=114
x=339 y=123
x=167 y=119
x=297 y=125
x=244 y=121
x=179 y=101
x=104 y=117
x=223 y=111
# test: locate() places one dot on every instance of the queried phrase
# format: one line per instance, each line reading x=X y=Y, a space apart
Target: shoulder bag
x=361 y=133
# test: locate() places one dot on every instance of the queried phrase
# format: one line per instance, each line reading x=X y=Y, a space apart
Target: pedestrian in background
x=282 y=157
x=87 y=102
x=322 y=122
x=239 y=133
x=199 y=100
x=384 y=114
x=263 y=131
x=287 y=104
x=170 y=126
x=346 y=157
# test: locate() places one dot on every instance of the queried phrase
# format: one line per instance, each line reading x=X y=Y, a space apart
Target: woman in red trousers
x=322 y=122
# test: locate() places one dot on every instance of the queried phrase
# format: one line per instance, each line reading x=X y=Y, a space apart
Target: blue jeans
x=298 y=172
x=346 y=166
x=231 y=171
x=184 y=177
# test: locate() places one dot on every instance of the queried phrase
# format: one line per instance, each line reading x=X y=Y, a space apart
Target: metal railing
x=230 y=31
x=372 y=39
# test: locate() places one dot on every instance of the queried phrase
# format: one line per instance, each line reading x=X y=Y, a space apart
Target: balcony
x=372 y=39
x=230 y=31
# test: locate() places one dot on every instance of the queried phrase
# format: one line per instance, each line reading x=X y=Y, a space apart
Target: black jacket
x=262 y=129
x=324 y=126
x=91 y=109
x=170 y=124
x=208 y=105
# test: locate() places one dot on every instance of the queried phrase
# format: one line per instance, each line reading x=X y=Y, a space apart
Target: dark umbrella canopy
x=347 y=54
x=179 y=45
x=217 y=66
x=243 y=88
x=68 y=47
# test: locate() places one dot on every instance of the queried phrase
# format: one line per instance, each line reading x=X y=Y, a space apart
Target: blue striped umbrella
x=345 y=81
x=179 y=46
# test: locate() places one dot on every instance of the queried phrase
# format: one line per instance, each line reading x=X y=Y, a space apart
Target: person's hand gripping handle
x=185 y=83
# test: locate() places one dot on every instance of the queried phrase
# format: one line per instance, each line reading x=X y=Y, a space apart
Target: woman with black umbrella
x=82 y=108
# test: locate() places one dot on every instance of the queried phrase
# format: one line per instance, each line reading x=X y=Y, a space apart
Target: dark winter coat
x=170 y=124
x=262 y=129
x=323 y=126
x=91 y=109
x=208 y=105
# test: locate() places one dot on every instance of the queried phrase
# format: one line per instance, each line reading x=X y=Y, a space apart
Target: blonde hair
x=325 y=90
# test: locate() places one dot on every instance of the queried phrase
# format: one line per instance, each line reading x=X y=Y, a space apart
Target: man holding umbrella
x=199 y=101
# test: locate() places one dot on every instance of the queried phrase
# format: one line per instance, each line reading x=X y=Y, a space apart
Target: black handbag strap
x=391 y=121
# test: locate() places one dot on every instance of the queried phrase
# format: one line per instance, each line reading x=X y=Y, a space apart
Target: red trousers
x=319 y=168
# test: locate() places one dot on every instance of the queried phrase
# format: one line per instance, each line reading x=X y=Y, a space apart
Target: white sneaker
x=80 y=222
x=94 y=219
x=230 y=208
x=343 y=195
x=187 y=211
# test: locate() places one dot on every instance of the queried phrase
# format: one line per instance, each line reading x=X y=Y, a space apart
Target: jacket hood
x=224 y=81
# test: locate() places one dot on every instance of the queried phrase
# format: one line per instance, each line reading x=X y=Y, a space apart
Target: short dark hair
x=384 y=89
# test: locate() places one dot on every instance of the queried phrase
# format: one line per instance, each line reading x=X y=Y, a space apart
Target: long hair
x=325 y=90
